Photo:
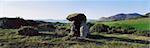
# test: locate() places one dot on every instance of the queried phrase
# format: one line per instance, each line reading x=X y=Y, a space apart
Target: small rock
x=1 y=44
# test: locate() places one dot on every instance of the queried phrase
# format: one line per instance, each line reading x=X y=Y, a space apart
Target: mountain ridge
x=121 y=16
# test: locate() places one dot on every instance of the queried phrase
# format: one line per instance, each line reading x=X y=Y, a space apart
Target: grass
x=140 y=24
x=130 y=36
x=10 y=39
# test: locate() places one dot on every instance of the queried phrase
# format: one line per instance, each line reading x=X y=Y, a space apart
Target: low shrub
x=99 y=28
x=143 y=33
x=28 y=30
x=46 y=27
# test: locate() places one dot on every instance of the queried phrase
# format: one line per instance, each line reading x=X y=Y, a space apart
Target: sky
x=59 y=9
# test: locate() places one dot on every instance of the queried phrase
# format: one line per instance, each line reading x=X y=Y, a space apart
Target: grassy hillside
x=140 y=24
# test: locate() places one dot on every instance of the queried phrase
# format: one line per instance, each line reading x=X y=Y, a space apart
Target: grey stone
x=78 y=25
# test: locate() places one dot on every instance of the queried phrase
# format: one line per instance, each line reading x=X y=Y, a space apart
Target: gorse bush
x=99 y=28
x=143 y=33
x=102 y=28
x=28 y=30
x=46 y=27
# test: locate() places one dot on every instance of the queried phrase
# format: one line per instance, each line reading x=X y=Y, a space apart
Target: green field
x=140 y=24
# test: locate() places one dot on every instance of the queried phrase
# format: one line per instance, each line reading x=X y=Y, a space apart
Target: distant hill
x=121 y=16
x=52 y=20
x=63 y=21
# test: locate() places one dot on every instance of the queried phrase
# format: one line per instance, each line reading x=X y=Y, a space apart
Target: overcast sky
x=56 y=9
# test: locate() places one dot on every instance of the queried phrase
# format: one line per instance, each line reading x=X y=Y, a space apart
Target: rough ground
x=10 y=39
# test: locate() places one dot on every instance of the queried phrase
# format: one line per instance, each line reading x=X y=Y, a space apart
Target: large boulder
x=28 y=30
